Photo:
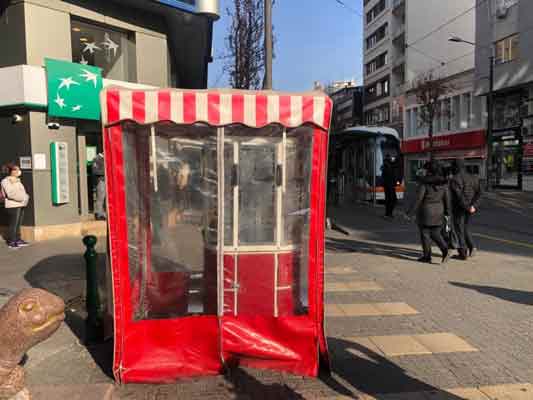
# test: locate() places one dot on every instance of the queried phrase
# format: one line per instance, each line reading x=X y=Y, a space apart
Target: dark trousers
x=428 y=233
x=390 y=201
x=461 y=221
x=15 y=216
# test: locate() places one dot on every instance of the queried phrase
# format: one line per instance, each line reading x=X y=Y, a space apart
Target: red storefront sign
x=455 y=141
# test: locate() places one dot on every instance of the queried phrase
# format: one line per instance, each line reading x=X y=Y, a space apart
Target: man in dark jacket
x=466 y=195
x=389 y=185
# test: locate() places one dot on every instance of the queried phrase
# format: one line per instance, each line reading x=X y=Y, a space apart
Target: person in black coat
x=389 y=185
x=431 y=205
x=466 y=195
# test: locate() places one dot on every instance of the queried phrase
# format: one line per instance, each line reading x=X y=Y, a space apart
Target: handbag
x=449 y=233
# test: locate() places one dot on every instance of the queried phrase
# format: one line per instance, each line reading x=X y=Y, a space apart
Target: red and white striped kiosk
x=216 y=205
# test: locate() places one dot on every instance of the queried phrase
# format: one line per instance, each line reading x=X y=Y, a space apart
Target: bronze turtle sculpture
x=28 y=318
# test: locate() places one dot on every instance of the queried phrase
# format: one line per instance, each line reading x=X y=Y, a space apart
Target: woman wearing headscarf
x=431 y=205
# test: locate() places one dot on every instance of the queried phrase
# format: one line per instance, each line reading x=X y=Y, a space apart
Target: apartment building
x=409 y=39
x=384 y=56
x=401 y=42
x=504 y=30
x=131 y=43
x=347 y=99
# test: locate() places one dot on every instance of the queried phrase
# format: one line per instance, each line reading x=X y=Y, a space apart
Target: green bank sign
x=73 y=90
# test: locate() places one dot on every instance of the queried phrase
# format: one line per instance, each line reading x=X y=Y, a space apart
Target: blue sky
x=317 y=40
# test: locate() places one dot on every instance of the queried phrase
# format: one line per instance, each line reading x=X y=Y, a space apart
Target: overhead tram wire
x=438 y=28
x=343 y=4
x=440 y=61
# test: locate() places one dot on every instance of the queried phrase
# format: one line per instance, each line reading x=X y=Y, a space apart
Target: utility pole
x=267 y=81
x=490 y=116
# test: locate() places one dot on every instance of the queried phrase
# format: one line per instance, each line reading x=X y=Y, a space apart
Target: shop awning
x=215 y=107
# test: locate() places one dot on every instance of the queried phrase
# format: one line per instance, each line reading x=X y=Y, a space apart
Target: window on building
x=466 y=111
x=414 y=122
x=446 y=114
x=421 y=128
x=437 y=120
x=110 y=49
x=407 y=123
x=507 y=110
x=378 y=90
x=375 y=11
x=378 y=115
x=456 y=112
x=377 y=36
x=506 y=50
x=377 y=63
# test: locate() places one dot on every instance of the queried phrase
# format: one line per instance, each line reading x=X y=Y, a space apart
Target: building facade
x=459 y=131
x=383 y=57
x=504 y=30
x=347 y=107
x=402 y=40
x=135 y=43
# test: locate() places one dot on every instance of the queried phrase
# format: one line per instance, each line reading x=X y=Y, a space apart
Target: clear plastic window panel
x=267 y=198
x=171 y=196
x=172 y=177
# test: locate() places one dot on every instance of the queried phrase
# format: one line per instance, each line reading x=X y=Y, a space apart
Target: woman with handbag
x=431 y=205
x=15 y=201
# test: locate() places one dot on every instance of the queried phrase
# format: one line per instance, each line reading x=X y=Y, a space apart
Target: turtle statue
x=28 y=318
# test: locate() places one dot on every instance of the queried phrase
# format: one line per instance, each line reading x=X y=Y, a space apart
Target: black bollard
x=94 y=327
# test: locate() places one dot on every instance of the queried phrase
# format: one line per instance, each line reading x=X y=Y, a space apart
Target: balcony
x=399 y=89
x=398 y=6
x=398 y=32
x=398 y=60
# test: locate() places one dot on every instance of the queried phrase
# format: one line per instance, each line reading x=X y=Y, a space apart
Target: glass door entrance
x=506 y=163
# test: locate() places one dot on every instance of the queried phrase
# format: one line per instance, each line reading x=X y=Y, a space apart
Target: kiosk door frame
x=241 y=281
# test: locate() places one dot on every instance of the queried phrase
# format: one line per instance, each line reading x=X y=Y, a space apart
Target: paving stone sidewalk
x=391 y=334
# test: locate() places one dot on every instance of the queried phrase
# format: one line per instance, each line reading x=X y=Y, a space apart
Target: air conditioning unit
x=502 y=11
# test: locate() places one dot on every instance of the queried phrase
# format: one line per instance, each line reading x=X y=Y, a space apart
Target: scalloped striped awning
x=215 y=107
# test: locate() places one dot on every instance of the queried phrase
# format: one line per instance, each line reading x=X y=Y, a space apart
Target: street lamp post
x=267 y=82
x=490 y=104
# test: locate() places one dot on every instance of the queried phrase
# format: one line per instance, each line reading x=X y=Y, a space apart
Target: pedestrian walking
x=432 y=204
x=389 y=175
x=98 y=170
x=15 y=201
x=466 y=195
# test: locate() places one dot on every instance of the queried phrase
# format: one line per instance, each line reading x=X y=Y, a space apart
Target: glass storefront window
x=109 y=49
x=507 y=110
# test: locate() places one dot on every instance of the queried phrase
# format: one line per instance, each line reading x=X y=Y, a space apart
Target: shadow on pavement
x=64 y=275
x=498 y=221
x=355 y=246
x=245 y=386
x=373 y=374
x=515 y=296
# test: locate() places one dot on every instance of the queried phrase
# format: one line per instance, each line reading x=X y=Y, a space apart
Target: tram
x=356 y=159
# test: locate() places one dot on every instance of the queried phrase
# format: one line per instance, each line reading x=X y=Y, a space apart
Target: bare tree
x=429 y=90
x=245 y=61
